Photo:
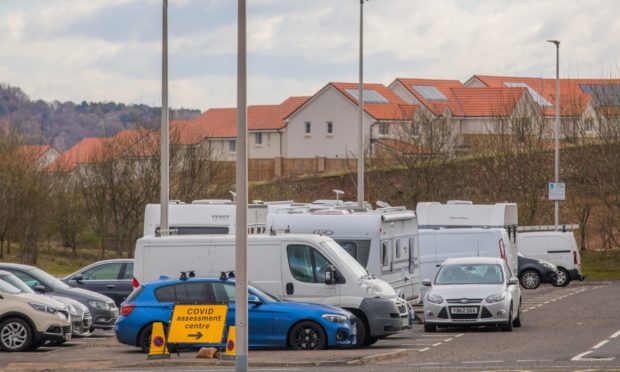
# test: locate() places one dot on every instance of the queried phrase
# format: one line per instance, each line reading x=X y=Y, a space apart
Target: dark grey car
x=112 y=278
x=102 y=308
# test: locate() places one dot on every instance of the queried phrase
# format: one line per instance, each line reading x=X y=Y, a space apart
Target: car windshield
x=15 y=282
x=470 y=274
x=7 y=288
x=351 y=262
x=263 y=293
x=47 y=279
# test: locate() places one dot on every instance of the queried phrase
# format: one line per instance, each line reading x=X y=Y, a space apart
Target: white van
x=437 y=245
x=384 y=241
x=295 y=267
x=558 y=247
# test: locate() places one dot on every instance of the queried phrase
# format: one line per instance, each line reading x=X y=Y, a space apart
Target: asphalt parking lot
x=572 y=328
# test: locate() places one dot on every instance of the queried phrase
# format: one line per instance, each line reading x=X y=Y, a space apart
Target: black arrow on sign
x=197 y=335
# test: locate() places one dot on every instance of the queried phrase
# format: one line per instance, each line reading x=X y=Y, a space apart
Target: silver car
x=473 y=291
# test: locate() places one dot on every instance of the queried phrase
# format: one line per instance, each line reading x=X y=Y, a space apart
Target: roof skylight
x=605 y=94
x=369 y=95
x=535 y=96
x=430 y=92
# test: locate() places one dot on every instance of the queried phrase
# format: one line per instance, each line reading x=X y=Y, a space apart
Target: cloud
x=110 y=50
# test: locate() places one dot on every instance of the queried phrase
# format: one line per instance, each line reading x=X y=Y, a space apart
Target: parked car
x=102 y=309
x=111 y=278
x=559 y=248
x=81 y=319
x=532 y=272
x=473 y=291
x=272 y=322
x=28 y=320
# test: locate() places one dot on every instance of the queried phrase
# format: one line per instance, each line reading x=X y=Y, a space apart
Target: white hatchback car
x=473 y=291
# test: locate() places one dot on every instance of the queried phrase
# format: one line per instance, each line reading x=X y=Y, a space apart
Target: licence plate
x=67 y=336
x=405 y=322
x=464 y=310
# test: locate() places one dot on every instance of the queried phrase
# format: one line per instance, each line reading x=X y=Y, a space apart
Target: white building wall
x=332 y=106
x=403 y=93
x=47 y=158
x=269 y=148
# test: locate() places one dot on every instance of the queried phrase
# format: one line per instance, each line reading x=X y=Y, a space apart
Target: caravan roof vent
x=459 y=202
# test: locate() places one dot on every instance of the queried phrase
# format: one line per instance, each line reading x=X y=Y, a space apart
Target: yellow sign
x=158 y=349
x=231 y=344
x=197 y=324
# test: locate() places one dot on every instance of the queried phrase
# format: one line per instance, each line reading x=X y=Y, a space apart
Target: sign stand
x=231 y=345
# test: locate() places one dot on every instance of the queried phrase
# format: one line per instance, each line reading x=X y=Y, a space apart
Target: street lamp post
x=360 y=101
x=557 y=126
x=164 y=177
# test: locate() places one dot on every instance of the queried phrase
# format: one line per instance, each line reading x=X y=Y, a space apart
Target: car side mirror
x=426 y=282
x=40 y=288
x=330 y=275
x=253 y=299
x=78 y=278
x=513 y=281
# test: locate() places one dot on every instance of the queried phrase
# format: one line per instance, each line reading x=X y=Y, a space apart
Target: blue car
x=272 y=323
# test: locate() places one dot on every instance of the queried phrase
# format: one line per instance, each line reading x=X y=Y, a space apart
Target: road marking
x=437 y=344
x=533 y=360
x=615 y=335
x=600 y=344
x=426 y=348
x=417 y=344
x=448 y=339
x=461 y=334
x=483 y=362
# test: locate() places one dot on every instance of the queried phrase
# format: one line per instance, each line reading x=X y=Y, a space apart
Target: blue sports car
x=272 y=323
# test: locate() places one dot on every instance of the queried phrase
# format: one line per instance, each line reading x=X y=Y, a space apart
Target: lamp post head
x=556 y=42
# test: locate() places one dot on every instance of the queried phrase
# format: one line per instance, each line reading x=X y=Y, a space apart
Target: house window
x=415 y=129
x=588 y=125
x=308 y=127
x=330 y=127
x=384 y=129
x=259 y=139
x=232 y=146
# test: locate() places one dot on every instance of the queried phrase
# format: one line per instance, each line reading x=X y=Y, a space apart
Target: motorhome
x=299 y=267
x=384 y=241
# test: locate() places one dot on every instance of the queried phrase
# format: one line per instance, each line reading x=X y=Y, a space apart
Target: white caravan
x=384 y=241
x=300 y=267
x=203 y=217
x=558 y=247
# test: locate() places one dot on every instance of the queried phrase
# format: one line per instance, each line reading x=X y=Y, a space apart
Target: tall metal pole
x=557 y=127
x=360 y=101
x=241 y=229
x=164 y=194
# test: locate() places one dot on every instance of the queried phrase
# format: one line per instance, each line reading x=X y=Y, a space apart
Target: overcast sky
x=110 y=50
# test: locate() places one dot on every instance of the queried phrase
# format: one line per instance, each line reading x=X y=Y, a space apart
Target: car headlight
x=548 y=265
x=335 y=318
x=71 y=309
x=495 y=298
x=370 y=288
x=98 y=305
x=43 y=308
x=434 y=298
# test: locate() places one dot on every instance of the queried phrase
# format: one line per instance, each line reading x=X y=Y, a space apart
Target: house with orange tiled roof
x=326 y=125
x=579 y=98
x=41 y=156
x=217 y=128
x=471 y=111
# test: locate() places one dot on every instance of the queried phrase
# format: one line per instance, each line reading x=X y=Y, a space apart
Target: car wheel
x=563 y=278
x=530 y=279
x=508 y=326
x=361 y=334
x=15 y=335
x=371 y=341
x=517 y=321
x=430 y=327
x=144 y=340
x=307 y=335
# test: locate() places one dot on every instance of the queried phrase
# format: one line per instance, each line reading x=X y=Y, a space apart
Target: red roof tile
x=485 y=102
x=83 y=152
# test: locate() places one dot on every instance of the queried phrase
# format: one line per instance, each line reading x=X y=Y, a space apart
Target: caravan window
x=397 y=249
x=358 y=249
x=306 y=264
x=385 y=253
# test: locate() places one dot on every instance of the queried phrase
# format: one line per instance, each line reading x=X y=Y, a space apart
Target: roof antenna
x=338 y=193
x=234 y=195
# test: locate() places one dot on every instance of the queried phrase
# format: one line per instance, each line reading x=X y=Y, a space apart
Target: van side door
x=303 y=274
